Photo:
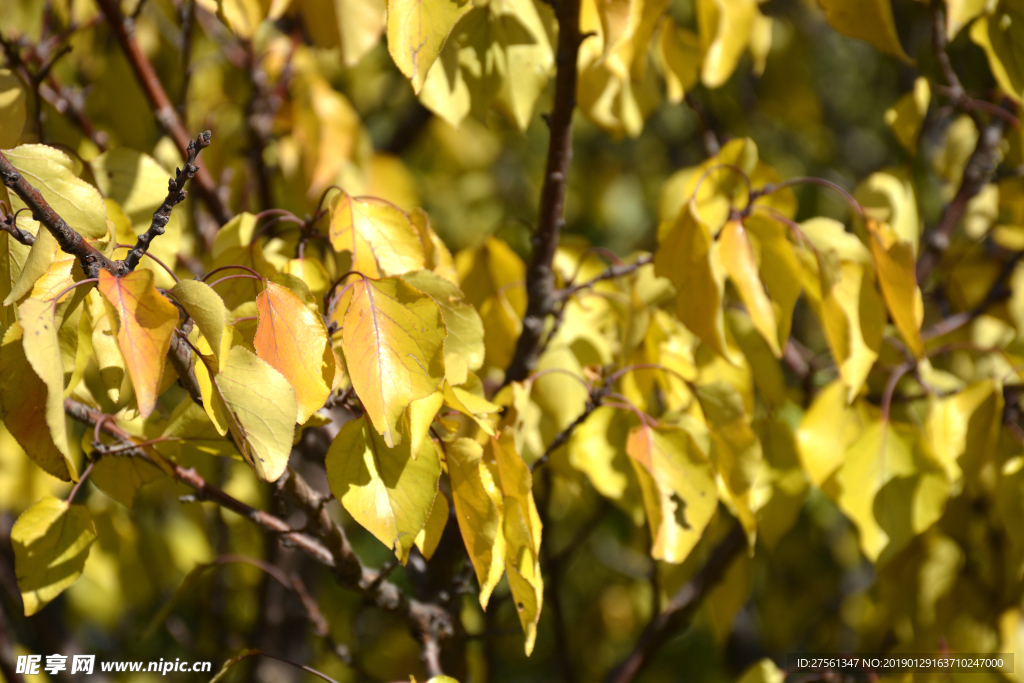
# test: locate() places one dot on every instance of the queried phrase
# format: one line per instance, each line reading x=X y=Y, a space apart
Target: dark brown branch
x=175 y=195
x=69 y=240
x=977 y=173
x=681 y=608
x=124 y=32
x=9 y=224
x=540 y=277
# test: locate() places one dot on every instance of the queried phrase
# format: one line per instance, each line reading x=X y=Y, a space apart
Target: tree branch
x=540 y=277
x=124 y=32
x=175 y=194
x=69 y=240
x=681 y=608
x=327 y=544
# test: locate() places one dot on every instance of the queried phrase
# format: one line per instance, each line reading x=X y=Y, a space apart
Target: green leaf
x=51 y=543
x=479 y=508
x=390 y=491
x=392 y=337
x=260 y=408
x=522 y=530
x=678 y=487
x=869 y=20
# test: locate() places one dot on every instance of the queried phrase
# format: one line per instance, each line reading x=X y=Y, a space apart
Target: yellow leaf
x=741 y=264
x=497 y=54
x=312 y=272
x=725 y=27
x=392 y=337
x=464 y=345
x=964 y=428
x=780 y=493
x=243 y=17
x=678 y=487
x=430 y=535
x=684 y=256
x=259 y=406
x=42 y=350
x=779 y=269
x=293 y=340
x=888 y=196
x=236 y=244
x=598 y=449
x=12 y=108
x=959 y=13
x=27 y=409
x=680 y=51
x=890 y=493
x=479 y=508
x=522 y=530
x=736 y=450
x=906 y=117
x=439 y=259
x=146 y=321
x=207 y=309
x=51 y=543
x=101 y=319
x=826 y=429
x=379 y=235
x=122 y=478
x=869 y=20
x=764 y=671
x=897 y=276
x=354 y=26
x=418 y=417
x=1001 y=35
x=416 y=31
x=390 y=491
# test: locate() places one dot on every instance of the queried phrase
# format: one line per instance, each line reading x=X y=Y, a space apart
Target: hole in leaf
x=519 y=606
x=680 y=511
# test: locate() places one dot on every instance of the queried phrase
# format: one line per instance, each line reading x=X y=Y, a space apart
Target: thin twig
x=680 y=609
x=175 y=194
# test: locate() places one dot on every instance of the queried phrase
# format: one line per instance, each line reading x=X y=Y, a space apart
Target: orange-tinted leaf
x=293 y=340
x=146 y=322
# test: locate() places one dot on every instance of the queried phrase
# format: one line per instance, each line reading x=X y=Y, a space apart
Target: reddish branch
x=680 y=610
x=540 y=277
x=124 y=32
x=68 y=239
x=175 y=194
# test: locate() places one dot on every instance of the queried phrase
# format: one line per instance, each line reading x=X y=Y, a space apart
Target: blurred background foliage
x=818 y=109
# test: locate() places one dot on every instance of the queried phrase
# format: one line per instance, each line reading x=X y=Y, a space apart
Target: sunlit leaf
x=387 y=490
x=145 y=323
x=293 y=340
x=260 y=408
x=522 y=529
x=392 y=337
x=725 y=27
x=51 y=544
x=479 y=508
x=379 y=235
x=464 y=345
x=430 y=535
x=897 y=276
x=354 y=26
x=207 y=309
x=906 y=117
x=678 y=487
x=739 y=261
x=12 y=108
x=1001 y=36
x=416 y=31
